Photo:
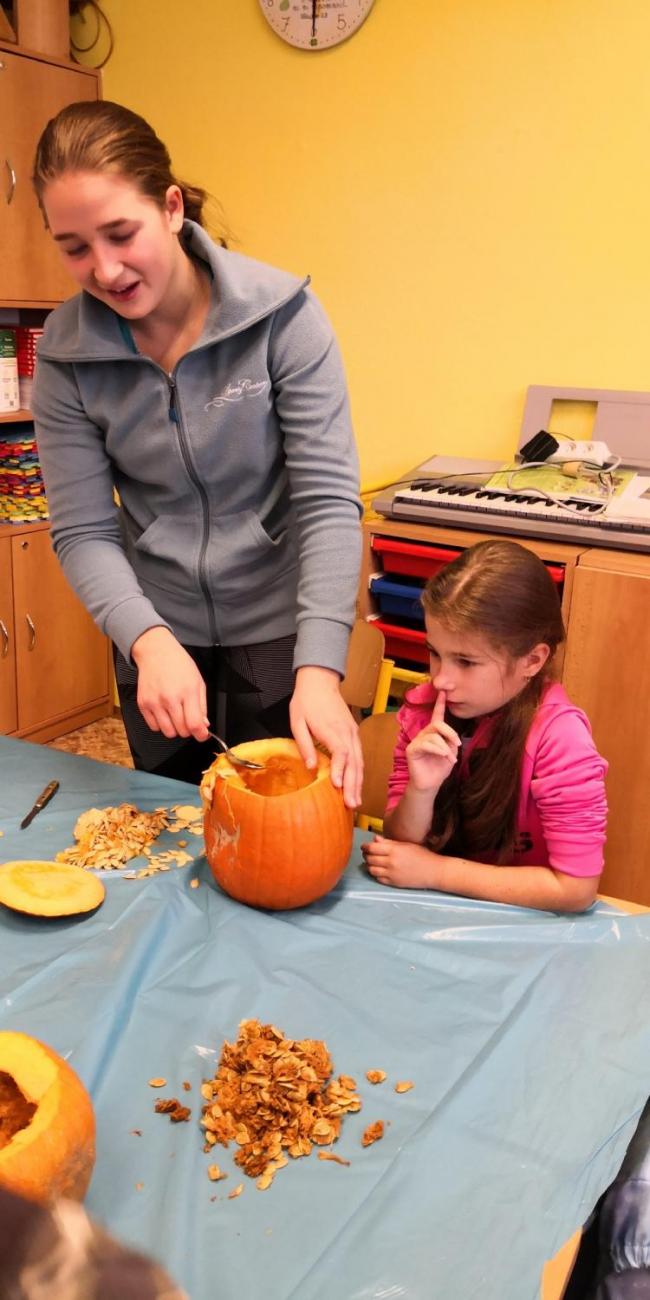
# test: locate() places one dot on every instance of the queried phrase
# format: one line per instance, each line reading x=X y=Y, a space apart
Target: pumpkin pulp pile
x=278 y=838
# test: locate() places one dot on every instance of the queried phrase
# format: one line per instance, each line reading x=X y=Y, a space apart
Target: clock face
x=315 y=24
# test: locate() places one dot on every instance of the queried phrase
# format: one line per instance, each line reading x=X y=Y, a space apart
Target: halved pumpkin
x=49 y=888
x=47 y=1123
x=279 y=838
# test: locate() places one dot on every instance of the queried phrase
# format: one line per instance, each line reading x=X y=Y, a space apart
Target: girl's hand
x=319 y=712
x=432 y=754
x=171 y=691
x=402 y=865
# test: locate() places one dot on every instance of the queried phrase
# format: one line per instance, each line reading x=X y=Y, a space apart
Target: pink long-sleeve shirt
x=562 y=813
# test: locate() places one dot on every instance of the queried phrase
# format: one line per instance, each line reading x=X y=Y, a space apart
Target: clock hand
x=314 y=4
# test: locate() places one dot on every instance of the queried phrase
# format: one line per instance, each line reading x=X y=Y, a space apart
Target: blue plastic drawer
x=398 y=598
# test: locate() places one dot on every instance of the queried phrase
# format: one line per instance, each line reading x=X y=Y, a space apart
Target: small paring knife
x=43 y=799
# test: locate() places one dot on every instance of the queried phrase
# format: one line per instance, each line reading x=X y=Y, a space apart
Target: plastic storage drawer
x=404 y=642
x=398 y=598
x=412 y=558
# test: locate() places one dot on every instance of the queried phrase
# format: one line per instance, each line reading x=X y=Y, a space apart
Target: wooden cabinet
x=605 y=669
x=607 y=672
x=8 y=703
x=54 y=663
x=32 y=90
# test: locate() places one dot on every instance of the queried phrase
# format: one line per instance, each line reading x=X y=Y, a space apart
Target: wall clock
x=315 y=24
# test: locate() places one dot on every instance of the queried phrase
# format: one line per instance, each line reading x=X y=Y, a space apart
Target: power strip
x=593 y=453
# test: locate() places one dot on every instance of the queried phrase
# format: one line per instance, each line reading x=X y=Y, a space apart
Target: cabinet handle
x=32 y=630
x=5 y=640
x=12 y=178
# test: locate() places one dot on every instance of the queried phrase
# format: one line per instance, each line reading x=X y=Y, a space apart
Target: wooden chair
x=378 y=736
x=365 y=670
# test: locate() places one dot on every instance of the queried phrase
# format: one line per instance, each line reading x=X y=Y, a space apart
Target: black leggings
x=248 y=688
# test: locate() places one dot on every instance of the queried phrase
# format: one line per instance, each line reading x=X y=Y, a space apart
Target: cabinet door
x=31 y=93
x=61 y=657
x=607 y=673
x=8 y=710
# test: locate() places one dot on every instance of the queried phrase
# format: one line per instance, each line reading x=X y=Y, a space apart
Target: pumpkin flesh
x=279 y=838
x=49 y=888
x=47 y=1123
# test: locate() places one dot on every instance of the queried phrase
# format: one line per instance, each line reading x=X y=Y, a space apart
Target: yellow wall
x=465 y=180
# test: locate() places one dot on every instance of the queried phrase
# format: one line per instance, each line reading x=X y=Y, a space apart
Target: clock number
x=340 y=22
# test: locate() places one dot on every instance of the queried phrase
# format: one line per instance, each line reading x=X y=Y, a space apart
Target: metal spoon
x=234 y=758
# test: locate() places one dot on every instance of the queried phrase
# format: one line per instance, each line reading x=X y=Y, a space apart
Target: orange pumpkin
x=278 y=838
x=47 y=1123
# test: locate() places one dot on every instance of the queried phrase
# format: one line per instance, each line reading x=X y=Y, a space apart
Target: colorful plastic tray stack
x=26 y=341
x=22 y=493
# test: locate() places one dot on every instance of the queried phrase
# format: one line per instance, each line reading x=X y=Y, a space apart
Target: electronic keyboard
x=456 y=492
x=459 y=505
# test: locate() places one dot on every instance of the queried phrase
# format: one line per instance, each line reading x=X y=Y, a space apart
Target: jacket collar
x=244 y=291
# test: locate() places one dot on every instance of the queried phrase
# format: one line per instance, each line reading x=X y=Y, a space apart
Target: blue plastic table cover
x=526 y=1035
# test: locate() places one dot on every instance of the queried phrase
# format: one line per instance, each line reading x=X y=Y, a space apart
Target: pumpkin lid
x=49 y=888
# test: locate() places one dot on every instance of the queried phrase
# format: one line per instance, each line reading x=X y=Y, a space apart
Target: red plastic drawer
x=404 y=642
x=556 y=572
x=419 y=561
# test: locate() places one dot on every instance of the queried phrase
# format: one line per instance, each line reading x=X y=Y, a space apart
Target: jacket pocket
x=166 y=554
x=238 y=560
x=243 y=559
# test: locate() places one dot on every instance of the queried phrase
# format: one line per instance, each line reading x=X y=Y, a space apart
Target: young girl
x=207 y=390
x=497 y=790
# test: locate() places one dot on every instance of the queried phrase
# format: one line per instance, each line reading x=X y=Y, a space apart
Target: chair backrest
x=365 y=655
x=378 y=736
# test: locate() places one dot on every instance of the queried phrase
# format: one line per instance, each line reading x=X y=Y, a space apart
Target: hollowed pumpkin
x=279 y=838
x=47 y=1123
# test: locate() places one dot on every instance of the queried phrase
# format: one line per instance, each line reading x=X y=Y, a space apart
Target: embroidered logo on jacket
x=237 y=392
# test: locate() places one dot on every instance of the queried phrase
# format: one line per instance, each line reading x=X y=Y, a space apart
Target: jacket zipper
x=175 y=417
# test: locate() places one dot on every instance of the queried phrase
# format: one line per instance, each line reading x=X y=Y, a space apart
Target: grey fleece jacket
x=237 y=474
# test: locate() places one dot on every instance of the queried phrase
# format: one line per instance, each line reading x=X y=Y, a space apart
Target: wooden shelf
x=24 y=526
x=21 y=416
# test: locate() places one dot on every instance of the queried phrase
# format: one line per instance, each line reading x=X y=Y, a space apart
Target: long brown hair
x=502 y=592
x=100 y=136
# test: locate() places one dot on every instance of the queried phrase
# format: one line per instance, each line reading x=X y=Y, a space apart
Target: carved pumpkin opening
x=282 y=774
x=15 y=1110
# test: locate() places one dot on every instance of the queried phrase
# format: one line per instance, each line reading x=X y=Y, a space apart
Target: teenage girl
x=497 y=790
x=207 y=391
